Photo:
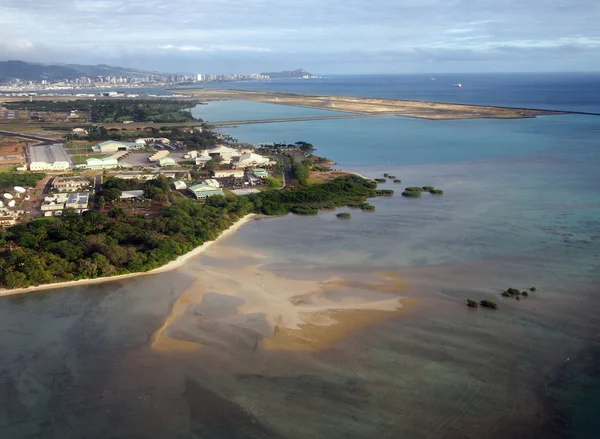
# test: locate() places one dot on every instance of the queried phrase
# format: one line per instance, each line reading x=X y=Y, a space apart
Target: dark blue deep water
x=555 y=91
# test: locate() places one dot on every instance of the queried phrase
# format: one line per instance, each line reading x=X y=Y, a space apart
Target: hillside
x=288 y=74
x=27 y=71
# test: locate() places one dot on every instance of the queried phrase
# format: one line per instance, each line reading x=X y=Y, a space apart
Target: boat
x=457 y=85
x=434 y=79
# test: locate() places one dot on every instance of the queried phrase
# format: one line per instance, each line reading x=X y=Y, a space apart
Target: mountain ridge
x=298 y=73
x=31 y=71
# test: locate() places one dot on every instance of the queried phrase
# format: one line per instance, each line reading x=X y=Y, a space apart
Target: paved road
x=26 y=136
x=97 y=183
x=287 y=173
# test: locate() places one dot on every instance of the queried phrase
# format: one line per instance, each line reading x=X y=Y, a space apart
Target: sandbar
x=283 y=312
x=373 y=106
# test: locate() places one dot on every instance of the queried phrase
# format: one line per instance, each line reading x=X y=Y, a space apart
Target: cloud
x=315 y=34
x=216 y=48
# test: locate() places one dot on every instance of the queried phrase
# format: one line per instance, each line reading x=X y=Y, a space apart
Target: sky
x=321 y=36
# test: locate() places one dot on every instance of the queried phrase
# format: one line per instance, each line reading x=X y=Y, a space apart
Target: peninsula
x=371 y=106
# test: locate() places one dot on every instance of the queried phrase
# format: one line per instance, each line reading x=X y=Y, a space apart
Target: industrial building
x=158 y=155
x=119 y=155
x=226 y=153
x=70 y=183
x=203 y=191
x=111 y=146
x=105 y=163
x=212 y=183
x=202 y=161
x=140 y=175
x=191 y=155
x=260 y=172
x=236 y=173
x=132 y=195
x=251 y=159
x=61 y=201
x=52 y=157
x=78 y=200
x=166 y=161
x=179 y=185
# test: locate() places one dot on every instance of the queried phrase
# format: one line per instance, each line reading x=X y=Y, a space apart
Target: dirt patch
x=326 y=177
x=12 y=152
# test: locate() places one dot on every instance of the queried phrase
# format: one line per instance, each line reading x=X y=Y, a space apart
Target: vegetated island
x=371 y=106
x=72 y=247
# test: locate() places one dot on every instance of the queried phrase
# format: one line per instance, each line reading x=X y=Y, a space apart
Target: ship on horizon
x=459 y=85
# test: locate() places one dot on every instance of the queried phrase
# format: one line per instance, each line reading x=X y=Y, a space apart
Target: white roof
x=132 y=194
x=221 y=149
x=252 y=156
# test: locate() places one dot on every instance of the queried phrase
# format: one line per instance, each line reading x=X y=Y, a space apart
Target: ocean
x=313 y=327
x=550 y=91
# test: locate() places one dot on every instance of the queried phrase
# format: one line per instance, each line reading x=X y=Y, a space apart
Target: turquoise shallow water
x=521 y=207
x=219 y=111
x=395 y=140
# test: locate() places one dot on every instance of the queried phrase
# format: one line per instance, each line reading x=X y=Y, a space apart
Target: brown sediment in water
x=161 y=341
x=314 y=337
x=285 y=313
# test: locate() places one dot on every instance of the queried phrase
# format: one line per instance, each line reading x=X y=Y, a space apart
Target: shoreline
x=169 y=266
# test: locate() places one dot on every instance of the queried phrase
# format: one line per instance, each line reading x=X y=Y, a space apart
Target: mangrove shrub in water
x=384 y=192
x=488 y=304
x=380 y=180
x=397 y=181
x=472 y=303
x=436 y=192
x=412 y=194
x=344 y=215
x=367 y=207
x=304 y=210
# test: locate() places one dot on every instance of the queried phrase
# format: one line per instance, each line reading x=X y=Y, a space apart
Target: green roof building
x=203 y=191
x=260 y=173
x=166 y=161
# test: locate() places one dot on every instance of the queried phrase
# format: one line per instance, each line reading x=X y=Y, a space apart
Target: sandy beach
x=177 y=263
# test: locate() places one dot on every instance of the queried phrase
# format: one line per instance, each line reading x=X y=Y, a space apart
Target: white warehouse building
x=52 y=157
x=113 y=146
x=251 y=159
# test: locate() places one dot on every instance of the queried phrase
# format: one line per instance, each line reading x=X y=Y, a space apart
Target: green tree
x=29 y=240
x=15 y=279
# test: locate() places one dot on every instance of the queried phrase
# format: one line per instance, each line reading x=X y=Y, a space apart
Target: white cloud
x=216 y=48
x=244 y=33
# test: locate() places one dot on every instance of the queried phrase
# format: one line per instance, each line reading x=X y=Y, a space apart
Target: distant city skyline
x=323 y=37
